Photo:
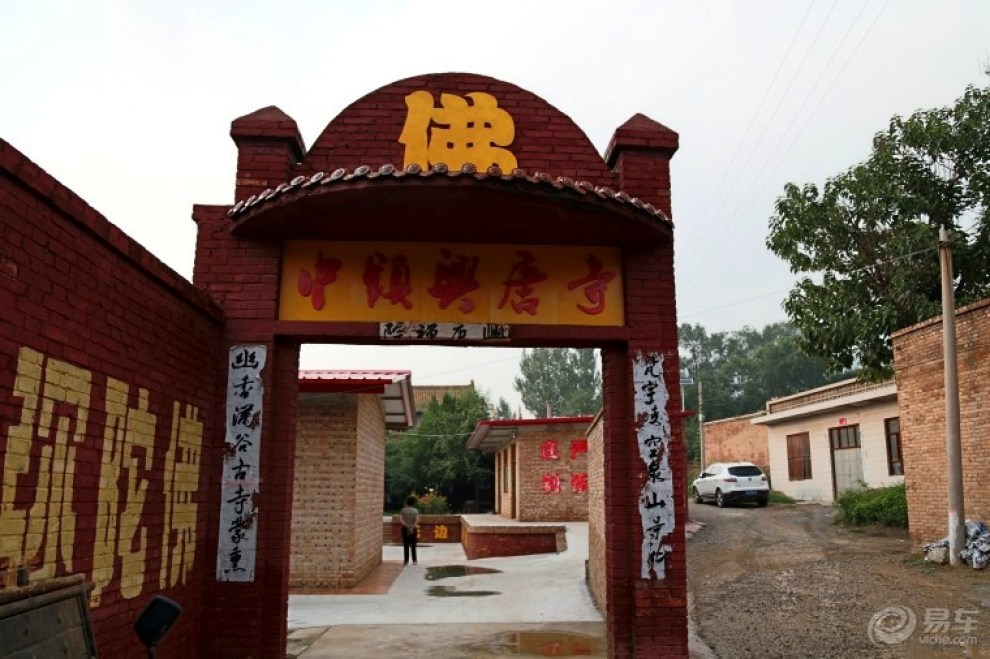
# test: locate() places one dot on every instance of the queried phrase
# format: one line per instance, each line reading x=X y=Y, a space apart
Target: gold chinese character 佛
x=457 y=132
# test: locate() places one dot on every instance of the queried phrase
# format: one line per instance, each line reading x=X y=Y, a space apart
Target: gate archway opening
x=458 y=210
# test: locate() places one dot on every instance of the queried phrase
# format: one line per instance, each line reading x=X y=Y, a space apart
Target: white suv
x=726 y=482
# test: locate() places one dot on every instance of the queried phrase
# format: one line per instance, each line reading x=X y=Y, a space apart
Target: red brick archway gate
x=462 y=210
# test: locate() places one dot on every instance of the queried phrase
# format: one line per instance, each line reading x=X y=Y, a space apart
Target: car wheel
x=697 y=497
x=761 y=502
x=719 y=499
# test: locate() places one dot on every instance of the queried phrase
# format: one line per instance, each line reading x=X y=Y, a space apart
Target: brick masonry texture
x=596 y=514
x=77 y=291
x=491 y=540
x=534 y=504
x=736 y=440
x=921 y=399
x=337 y=491
x=89 y=314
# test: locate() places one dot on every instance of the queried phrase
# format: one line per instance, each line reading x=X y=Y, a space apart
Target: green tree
x=502 y=410
x=566 y=379
x=741 y=370
x=866 y=242
x=434 y=456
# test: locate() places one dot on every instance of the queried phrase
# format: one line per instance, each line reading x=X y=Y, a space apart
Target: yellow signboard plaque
x=458 y=283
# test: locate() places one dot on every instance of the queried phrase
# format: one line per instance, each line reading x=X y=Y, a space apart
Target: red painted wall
x=110 y=370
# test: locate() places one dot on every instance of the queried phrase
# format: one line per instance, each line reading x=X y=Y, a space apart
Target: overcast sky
x=129 y=104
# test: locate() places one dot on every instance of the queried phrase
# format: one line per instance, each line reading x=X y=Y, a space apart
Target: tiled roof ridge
x=341 y=174
x=353 y=374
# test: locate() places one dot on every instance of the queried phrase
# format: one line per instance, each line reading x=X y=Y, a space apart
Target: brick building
x=424 y=394
x=825 y=440
x=340 y=472
x=737 y=440
x=921 y=394
x=541 y=466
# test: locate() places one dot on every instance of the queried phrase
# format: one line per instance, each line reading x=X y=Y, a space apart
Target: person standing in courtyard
x=409 y=517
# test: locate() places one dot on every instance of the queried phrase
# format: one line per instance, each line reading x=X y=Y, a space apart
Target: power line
x=715 y=246
x=766 y=93
x=864 y=268
x=758 y=190
x=691 y=257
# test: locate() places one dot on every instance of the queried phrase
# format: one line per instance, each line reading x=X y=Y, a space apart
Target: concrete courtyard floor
x=447 y=606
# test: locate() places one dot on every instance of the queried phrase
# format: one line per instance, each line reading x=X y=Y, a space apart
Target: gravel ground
x=783 y=581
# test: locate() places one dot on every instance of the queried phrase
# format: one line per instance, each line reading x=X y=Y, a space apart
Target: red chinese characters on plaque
x=312 y=285
x=594 y=285
x=399 y=283
x=455 y=277
x=451 y=283
x=519 y=286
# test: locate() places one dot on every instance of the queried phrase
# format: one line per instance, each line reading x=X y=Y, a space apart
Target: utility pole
x=701 y=427
x=953 y=444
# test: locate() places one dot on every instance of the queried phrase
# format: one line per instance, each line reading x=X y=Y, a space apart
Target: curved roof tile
x=491 y=175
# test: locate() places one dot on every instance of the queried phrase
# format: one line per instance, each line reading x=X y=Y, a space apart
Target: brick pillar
x=639 y=152
x=248 y=619
x=645 y=617
x=268 y=147
x=619 y=447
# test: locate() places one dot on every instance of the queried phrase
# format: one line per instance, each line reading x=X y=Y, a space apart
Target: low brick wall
x=595 y=570
x=511 y=540
x=737 y=440
x=432 y=528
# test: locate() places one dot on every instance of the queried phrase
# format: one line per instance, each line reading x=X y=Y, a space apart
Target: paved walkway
x=529 y=606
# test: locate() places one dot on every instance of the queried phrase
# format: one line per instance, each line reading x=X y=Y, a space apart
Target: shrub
x=886 y=506
x=432 y=504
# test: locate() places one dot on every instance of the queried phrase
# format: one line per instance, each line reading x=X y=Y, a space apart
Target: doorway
x=847 y=459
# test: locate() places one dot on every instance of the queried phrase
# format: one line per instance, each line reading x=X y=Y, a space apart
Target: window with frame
x=895 y=457
x=799 y=457
x=844 y=437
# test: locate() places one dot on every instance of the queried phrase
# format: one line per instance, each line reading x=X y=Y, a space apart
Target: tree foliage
x=565 y=378
x=502 y=410
x=741 y=370
x=866 y=242
x=434 y=456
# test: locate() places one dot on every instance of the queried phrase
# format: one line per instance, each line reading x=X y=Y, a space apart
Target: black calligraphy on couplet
x=443 y=331
x=656 y=500
x=241 y=468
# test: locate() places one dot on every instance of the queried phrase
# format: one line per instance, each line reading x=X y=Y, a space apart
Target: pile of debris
x=976 y=552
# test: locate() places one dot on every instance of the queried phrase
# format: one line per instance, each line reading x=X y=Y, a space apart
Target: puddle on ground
x=450 y=591
x=445 y=571
x=546 y=643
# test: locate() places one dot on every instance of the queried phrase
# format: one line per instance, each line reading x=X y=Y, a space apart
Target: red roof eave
x=343 y=386
x=552 y=421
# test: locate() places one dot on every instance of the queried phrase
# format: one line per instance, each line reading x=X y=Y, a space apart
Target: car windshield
x=745 y=470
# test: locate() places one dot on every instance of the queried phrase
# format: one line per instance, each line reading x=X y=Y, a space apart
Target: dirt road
x=783 y=581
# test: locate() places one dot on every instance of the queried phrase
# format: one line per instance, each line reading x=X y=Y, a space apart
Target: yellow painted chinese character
x=36 y=514
x=457 y=132
x=440 y=532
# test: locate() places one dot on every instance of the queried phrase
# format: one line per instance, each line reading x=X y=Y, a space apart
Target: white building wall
x=819 y=487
